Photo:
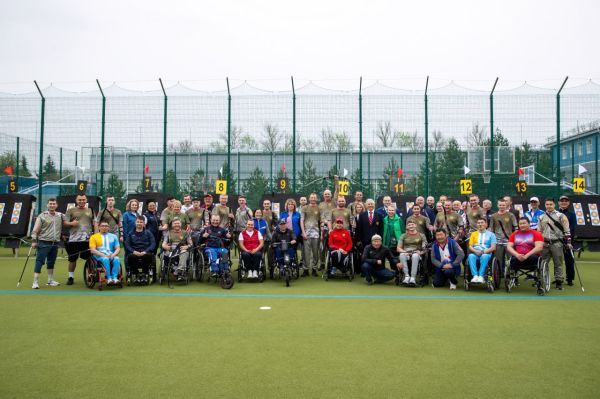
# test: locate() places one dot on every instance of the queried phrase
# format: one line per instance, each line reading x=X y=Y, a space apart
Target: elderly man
x=446 y=256
x=373 y=262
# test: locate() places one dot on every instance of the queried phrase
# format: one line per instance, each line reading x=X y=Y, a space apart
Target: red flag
x=400 y=172
x=147 y=169
x=283 y=168
x=521 y=171
x=8 y=170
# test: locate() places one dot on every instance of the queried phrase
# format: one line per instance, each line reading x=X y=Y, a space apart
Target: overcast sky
x=64 y=41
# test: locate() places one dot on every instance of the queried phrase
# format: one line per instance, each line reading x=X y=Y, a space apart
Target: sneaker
x=254 y=274
x=333 y=271
x=559 y=285
x=369 y=282
x=475 y=279
x=570 y=283
x=412 y=281
x=406 y=280
x=35 y=285
x=53 y=283
x=480 y=279
x=70 y=281
x=305 y=273
x=314 y=273
x=452 y=286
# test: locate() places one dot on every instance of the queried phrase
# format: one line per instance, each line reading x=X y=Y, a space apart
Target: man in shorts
x=80 y=221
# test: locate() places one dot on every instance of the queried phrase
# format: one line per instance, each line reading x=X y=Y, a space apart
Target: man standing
x=424 y=210
x=45 y=236
x=565 y=209
x=358 y=199
x=105 y=248
x=534 y=213
x=387 y=202
x=207 y=209
x=310 y=222
x=509 y=207
x=554 y=227
x=341 y=212
x=271 y=218
x=194 y=214
x=223 y=211
x=369 y=223
x=502 y=224
x=80 y=220
x=450 y=221
x=473 y=213
x=242 y=215
x=421 y=222
x=113 y=216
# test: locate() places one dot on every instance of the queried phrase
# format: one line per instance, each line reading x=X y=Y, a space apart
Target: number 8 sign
x=221 y=187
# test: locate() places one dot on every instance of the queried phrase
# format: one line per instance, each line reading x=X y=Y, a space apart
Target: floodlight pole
x=228 y=132
x=491 y=140
x=102 y=139
x=293 y=136
x=360 y=135
x=558 y=179
x=164 y=163
x=41 y=153
x=426 y=140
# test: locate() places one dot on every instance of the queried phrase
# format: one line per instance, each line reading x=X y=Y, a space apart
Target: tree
x=271 y=138
x=115 y=187
x=183 y=147
x=477 y=136
x=172 y=184
x=334 y=142
x=24 y=170
x=239 y=141
x=282 y=174
x=308 y=180
x=385 y=135
x=49 y=170
x=438 y=141
x=499 y=140
x=410 y=140
x=255 y=186
x=390 y=173
x=232 y=184
x=199 y=184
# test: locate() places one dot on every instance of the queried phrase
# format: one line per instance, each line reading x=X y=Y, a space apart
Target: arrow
x=467 y=170
x=582 y=170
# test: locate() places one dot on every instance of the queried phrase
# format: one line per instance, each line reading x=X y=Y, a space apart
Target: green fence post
x=18 y=161
x=41 y=153
x=102 y=139
x=558 y=178
x=240 y=176
x=426 y=140
x=228 y=132
x=143 y=165
x=572 y=160
x=596 y=168
x=164 y=155
x=360 y=136
x=491 y=184
x=175 y=164
x=293 y=136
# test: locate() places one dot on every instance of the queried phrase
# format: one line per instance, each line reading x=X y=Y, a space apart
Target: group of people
x=440 y=236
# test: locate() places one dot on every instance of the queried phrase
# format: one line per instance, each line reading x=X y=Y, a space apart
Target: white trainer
x=475 y=279
x=35 y=285
x=53 y=283
x=406 y=280
x=452 y=286
x=412 y=281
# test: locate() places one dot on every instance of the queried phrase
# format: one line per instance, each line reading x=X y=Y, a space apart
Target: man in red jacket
x=340 y=244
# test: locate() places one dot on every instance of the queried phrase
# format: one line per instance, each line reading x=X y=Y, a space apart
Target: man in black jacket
x=282 y=233
x=565 y=208
x=373 y=262
x=368 y=224
x=139 y=245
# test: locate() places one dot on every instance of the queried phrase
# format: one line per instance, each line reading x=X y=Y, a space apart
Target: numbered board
x=579 y=185
x=221 y=187
x=344 y=187
x=466 y=186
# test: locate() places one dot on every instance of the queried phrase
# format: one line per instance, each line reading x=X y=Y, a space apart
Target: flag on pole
x=400 y=172
x=345 y=172
x=467 y=170
x=283 y=168
x=221 y=171
x=582 y=170
x=8 y=170
x=521 y=171
x=147 y=169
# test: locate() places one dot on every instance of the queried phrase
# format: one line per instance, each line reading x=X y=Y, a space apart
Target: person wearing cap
x=446 y=257
x=534 y=212
x=565 y=208
x=373 y=262
x=340 y=244
x=283 y=233
x=554 y=227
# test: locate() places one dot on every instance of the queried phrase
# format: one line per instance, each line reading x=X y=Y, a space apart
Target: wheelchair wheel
x=226 y=281
x=240 y=274
x=495 y=265
x=508 y=281
x=90 y=273
x=350 y=267
x=543 y=277
x=199 y=266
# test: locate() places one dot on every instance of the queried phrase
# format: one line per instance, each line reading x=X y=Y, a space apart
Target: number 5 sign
x=221 y=187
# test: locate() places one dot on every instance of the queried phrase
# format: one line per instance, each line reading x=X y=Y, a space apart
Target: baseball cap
x=536 y=199
x=282 y=221
x=339 y=220
x=564 y=197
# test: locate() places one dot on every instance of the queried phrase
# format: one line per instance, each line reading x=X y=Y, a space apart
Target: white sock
x=72 y=274
x=50 y=276
x=36 y=277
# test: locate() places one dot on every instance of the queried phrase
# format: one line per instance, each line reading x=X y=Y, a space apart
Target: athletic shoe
x=254 y=274
x=369 y=282
x=70 y=281
x=570 y=283
x=452 y=286
x=53 y=283
x=35 y=285
x=314 y=273
x=333 y=271
x=481 y=279
x=305 y=273
x=559 y=286
x=406 y=280
x=412 y=281
x=475 y=279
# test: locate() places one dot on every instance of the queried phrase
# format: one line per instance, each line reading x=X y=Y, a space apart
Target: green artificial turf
x=335 y=339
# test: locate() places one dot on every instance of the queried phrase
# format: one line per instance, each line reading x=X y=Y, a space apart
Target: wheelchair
x=420 y=277
x=348 y=268
x=136 y=277
x=199 y=260
x=169 y=262
x=492 y=275
x=242 y=270
x=94 y=273
x=223 y=275
x=287 y=268
x=540 y=274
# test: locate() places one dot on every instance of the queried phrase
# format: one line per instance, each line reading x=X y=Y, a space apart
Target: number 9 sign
x=283 y=184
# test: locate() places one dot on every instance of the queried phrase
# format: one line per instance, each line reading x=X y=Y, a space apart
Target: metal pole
x=102 y=139
x=426 y=139
x=18 y=161
x=572 y=160
x=360 y=136
x=164 y=166
x=596 y=188
x=41 y=153
x=144 y=164
x=558 y=178
x=60 y=170
x=228 y=132
x=492 y=140
x=271 y=171
x=293 y=136
x=238 y=169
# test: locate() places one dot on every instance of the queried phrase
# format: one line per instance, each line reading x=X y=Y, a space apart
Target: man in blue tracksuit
x=140 y=245
x=446 y=257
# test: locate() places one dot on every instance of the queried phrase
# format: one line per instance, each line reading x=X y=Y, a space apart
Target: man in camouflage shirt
x=554 y=226
x=80 y=221
x=502 y=223
x=450 y=221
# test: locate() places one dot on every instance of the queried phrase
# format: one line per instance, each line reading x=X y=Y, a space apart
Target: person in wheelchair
x=176 y=244
x=139 y=244
x=282 y=233
x=214 y=236
x=340 y=245
x=412 y=245
x=525 y=246
x=482 y=244
x=105 y=248
x=251 y=243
